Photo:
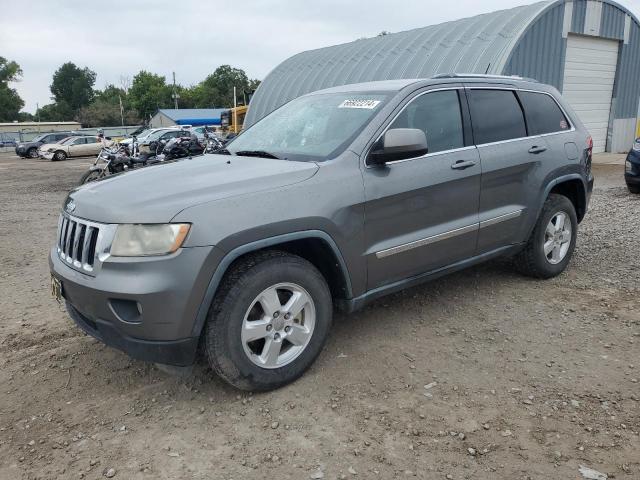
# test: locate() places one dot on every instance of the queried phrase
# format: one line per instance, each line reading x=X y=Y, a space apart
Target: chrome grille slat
x=67 y=240
x=76 y=239
x=85 y=245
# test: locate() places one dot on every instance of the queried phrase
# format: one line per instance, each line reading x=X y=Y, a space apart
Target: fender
x=237 y=252
x=553 y=183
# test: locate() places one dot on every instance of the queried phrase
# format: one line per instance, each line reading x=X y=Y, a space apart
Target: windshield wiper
x=256 y=153
x=222 y=151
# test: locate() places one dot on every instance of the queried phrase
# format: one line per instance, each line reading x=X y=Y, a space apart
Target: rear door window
x=438 y=115
x=543 y=113
x=496 y=116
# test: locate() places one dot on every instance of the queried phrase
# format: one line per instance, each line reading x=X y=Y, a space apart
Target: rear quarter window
x=496 y=116
x=543 y=113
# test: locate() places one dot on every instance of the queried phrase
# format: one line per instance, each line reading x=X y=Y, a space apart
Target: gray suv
x=333 y=200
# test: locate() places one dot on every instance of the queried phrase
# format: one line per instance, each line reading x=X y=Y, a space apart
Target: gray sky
x=193 y=37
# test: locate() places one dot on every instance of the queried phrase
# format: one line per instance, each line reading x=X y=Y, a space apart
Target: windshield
x=314 y=127
x=40 y=138
x=144 y=133
x=156 y=135
x=67 y=141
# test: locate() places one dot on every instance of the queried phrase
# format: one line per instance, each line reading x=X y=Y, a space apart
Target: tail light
x=589 y=154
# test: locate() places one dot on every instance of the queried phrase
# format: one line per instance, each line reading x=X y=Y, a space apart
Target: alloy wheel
x=557 y=238
x=278 y=325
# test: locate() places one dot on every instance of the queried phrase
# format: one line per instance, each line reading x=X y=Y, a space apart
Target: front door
x=422 y=213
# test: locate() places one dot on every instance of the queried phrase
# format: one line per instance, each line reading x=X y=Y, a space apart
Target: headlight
x=636 y=145
x=143 y=240
x=627 y=167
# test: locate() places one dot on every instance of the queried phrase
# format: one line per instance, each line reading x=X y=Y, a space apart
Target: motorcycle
x=186 y=145
x=117 y=160
x=212 y=143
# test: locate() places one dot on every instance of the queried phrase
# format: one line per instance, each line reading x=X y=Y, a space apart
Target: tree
x=148 y=93
x=72 y=87
x=217 y=89
x=54 y=112
x=10 y=101
x=105 y=109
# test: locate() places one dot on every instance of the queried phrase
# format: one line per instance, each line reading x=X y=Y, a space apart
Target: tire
x=90 y=176
x=532 y=260
x=32 y=152
x=237 y=306
x=59 y=156
x=634 y=188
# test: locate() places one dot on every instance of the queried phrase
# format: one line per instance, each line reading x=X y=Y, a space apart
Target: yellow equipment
x=232 y=120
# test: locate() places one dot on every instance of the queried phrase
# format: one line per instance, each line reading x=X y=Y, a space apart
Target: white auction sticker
x=368 y=104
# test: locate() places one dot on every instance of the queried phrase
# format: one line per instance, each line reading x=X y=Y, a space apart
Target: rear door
x=93 y=147
x=78 y=147
x=422 y=213
x=511 y=165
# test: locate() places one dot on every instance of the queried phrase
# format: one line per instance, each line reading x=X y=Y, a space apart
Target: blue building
x=186 y=116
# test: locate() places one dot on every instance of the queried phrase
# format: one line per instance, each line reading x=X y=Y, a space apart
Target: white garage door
x=589 y=72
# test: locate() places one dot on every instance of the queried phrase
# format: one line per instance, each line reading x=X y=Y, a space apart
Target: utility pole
x=175 y=94
x=121 y=111
x=38 y=113
x=235 y=112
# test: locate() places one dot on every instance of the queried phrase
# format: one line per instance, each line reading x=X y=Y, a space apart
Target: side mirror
x=399 y=144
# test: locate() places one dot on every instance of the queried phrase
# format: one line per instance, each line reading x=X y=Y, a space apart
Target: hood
x=158 y=193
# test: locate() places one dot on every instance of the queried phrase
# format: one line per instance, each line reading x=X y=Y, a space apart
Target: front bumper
x=45 y=155
x=147 y=307
x=21 y=151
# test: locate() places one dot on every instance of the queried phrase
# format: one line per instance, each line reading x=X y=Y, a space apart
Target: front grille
x=77 y=242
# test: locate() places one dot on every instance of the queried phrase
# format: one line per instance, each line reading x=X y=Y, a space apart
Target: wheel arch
x=571 y=186
x=315 y=246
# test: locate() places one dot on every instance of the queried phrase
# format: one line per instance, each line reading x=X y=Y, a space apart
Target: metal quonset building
x=587 y=49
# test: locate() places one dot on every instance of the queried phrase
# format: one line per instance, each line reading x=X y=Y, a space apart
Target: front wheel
x=32 y=152
x=551 y=244
x=268 y=322
x=91 y=176
x=59 y=155
x=633 y=188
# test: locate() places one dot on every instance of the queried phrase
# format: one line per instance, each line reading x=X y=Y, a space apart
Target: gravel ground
x=484 y=374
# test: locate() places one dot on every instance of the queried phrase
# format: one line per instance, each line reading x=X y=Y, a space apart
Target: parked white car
x=78 y=146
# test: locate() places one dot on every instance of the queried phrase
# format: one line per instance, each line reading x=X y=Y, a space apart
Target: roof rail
x=484 y=75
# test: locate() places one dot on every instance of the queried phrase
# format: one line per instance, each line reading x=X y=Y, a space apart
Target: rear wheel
x=551 y=244
x=268 y=322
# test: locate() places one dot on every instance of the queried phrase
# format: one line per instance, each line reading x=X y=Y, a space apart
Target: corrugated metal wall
x=529 y=40
x=541 y=53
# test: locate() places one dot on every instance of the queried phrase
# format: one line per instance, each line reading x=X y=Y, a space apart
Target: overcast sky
x=192 y=37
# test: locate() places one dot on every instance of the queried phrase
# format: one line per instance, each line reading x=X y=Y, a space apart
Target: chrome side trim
x=426 y=241
x=446 y=235
x=500 y=218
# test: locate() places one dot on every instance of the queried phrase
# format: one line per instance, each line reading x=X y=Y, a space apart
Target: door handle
x=461 y=164
x=536 y=150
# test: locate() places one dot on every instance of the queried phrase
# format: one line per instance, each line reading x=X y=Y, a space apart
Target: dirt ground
x=484 y=374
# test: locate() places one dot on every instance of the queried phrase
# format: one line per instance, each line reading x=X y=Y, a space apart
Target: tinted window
x=543 y=113
x=496 y=115
x=438 y=115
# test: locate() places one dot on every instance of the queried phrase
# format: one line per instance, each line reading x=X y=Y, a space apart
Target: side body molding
x=237 y=252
